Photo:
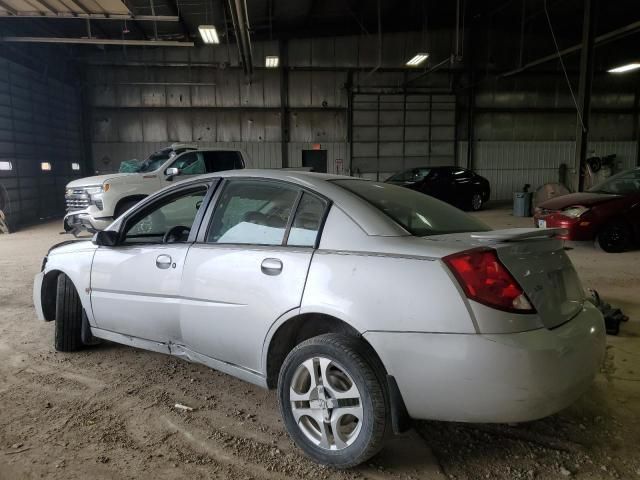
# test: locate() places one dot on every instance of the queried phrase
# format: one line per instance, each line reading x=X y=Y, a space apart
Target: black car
x=457 y=186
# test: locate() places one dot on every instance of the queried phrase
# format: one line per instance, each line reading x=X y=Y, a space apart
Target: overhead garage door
x=394 y=132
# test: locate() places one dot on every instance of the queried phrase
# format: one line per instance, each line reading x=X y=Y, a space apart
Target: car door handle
x=271 y=266
x=163 y=261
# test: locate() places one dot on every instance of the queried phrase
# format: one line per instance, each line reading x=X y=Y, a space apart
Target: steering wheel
x=175 y=234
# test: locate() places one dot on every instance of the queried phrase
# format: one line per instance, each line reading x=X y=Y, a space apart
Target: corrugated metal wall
x=524 y=126
x=509 y=165
x=146 y=99
x=40 y=121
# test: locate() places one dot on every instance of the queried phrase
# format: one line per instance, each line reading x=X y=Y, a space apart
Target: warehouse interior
x=492 y=80
x=521 y=92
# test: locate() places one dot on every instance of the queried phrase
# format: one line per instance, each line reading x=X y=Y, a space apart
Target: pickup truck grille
x=77 y=200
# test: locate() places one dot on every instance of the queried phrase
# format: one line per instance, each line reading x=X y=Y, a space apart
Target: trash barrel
x=522 y=204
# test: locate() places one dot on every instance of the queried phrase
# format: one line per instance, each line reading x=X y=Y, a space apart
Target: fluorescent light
x=418 y=59
x=625 y=68
x=209 y=34
x=6 y=166
x=75 y=166
x=45 y=166
x=271 y=61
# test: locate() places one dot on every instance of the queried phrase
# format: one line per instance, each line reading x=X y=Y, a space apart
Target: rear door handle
x=163 y=261
x=271 y=266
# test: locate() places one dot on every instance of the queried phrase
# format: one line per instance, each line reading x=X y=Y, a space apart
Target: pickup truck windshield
x=419 y=214
x=154 y=162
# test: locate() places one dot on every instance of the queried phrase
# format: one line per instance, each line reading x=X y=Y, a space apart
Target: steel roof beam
x=90 y=16
x=97 y=41
x=8 y=8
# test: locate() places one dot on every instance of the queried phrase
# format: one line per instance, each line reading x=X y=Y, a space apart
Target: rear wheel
x=68 y=332
x=332 y=401
x=615 y=237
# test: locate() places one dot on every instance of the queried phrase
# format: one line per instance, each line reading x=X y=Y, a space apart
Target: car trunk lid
x=538 y=262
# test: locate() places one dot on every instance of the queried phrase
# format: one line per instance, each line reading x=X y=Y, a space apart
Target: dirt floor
x=108 y=412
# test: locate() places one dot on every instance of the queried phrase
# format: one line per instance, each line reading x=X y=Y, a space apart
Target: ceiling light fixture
x=271 y=61
x=625 y=68
x=418 y=59
x=209 y=34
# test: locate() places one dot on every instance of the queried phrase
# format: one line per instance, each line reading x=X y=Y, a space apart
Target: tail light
x=486 y=280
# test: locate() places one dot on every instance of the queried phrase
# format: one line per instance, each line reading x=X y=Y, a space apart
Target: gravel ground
x=108 y=412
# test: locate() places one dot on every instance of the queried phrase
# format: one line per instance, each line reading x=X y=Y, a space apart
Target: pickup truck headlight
x=94 y=190
x=574 y=212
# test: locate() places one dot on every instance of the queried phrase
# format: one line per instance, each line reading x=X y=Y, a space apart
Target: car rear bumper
x=494 y=378
x=578 y=229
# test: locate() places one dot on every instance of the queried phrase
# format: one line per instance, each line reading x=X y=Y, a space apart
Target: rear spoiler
x=518 y=234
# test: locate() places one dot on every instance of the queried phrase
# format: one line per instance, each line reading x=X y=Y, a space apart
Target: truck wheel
x=68 y=331
x=332 y=401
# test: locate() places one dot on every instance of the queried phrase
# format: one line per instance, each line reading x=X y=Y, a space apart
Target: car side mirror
x=106 y=238
x=172 y=172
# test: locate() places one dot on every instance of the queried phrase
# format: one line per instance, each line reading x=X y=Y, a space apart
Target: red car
x=608 y=213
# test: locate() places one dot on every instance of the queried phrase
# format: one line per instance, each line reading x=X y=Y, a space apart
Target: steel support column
x=284 y=102
x=584 y=92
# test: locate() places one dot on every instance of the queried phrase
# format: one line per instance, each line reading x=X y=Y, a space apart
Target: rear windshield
x=419 y=214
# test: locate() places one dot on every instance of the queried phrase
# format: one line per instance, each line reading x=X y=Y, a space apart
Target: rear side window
x=307 y=221
x=419 y=214
x=219 y=160
x=253 y=212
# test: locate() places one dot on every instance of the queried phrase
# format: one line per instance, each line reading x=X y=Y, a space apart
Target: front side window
x=419 y=214
x=190 y=164
x=412 y=175
x=176 y=213
x=253 y=212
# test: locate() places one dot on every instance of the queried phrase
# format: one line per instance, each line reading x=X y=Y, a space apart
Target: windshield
x=419 y=214
x=411 y=175
x=154 y=161
x=623 y=183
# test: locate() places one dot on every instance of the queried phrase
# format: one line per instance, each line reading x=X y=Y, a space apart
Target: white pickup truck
x=94 y=202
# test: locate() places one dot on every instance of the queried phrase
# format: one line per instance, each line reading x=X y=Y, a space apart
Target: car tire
x=614 y=237
x=353 y=395
x=476 y=202
x=68 y=325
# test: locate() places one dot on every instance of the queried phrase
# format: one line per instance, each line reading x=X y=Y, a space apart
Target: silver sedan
x=365 y=304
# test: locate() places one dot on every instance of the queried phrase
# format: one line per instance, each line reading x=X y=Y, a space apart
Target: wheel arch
x=128 y=198
x=48 y=293
x=303 y=326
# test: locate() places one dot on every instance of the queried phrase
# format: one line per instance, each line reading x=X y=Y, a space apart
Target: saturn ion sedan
x=364 y=304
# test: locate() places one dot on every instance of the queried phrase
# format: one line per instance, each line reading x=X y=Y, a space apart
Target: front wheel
x=615 y=237
x=476 y=202
x=332 y=401
x=68 y=331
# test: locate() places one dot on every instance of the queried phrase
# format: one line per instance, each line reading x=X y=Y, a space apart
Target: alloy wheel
x=476 y=201
x=326 y=403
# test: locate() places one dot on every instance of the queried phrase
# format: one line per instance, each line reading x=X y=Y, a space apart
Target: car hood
x=582 y=198
x=100 y=179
